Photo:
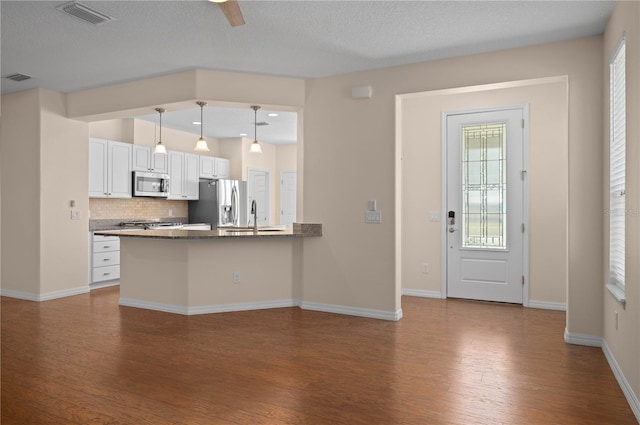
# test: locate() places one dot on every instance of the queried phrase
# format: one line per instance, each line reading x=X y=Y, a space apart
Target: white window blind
x=617 y=157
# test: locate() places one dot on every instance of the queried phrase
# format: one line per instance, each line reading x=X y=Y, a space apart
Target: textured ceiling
x=287 y=38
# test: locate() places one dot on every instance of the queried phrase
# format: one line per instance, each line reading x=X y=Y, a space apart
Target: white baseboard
x=44 y=297
x=353 y=311
x=632 y=398
x=582 y=339
x=208 y=309
x=106 y=284
x=596 y=341
x=421 y=293
x=547 y=305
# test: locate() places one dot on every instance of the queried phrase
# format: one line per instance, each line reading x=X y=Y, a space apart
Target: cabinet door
x=141 y=158
x=98 y=168
x=223 y=168
x=207 y=167
x=176 y=174
x=119 y=169
x=191 y=187
x=160 y=163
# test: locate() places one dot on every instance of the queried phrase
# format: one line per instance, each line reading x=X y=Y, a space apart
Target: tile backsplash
x=138 y=208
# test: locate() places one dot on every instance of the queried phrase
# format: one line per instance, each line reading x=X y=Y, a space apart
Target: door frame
x=525 y=187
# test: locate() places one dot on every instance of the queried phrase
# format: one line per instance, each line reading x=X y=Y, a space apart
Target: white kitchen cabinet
x=109 y=169
x=214 y=168
x=223 y=168
x=183 y=175
x=105 y=260
x=207 y=167
x=144 y=159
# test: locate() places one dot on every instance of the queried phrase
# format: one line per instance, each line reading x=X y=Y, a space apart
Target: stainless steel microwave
x=150 y=184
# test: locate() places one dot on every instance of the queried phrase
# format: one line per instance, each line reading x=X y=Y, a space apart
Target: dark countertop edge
x=304 y=230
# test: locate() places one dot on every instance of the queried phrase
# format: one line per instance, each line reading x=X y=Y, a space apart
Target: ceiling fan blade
x=231 y=10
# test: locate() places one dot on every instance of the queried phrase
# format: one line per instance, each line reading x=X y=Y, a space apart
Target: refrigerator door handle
x=234 y=205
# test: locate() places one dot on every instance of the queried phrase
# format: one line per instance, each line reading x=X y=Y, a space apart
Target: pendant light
x=201 y=144
x=160 y=148
x=255 y=146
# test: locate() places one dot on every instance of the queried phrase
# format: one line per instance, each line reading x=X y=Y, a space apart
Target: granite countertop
x=298 y=230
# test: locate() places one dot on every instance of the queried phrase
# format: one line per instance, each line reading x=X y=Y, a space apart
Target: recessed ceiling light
x=196 y=123
x=272 y=114
x=244 y=134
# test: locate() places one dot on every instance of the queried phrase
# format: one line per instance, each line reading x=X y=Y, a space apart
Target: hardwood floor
x=85 y=360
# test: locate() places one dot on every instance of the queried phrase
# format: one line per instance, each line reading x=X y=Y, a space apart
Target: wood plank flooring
x=85 y=360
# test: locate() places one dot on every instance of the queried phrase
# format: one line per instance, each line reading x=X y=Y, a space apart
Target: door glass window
x=484 y=186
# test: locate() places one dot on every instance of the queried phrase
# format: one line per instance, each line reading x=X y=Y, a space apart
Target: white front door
x=287 y=197
x=258 y=188
x=485 y=195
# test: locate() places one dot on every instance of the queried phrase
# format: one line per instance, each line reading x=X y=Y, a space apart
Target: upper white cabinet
x=223 y=168
x=109 y=169
x=144 y=159
x=183 y=175
x=207 y=167
x=214 y=168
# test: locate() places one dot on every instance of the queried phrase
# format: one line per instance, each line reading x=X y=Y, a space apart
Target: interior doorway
x=258 y=189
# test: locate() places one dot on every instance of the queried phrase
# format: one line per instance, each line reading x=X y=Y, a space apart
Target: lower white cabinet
x=105 y=259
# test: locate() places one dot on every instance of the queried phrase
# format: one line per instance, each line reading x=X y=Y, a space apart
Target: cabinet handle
x=106 y=274
x=107 y=246
x=106 y=259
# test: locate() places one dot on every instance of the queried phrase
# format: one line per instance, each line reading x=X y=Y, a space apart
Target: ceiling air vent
x=85 y=13
x=17 y=77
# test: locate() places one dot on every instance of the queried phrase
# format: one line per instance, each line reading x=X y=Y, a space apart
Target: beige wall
x=20 y=139
x=624 y=342
x=140 y=132
x=49 y=251
x=63 y=242
x=349 y=151
x=421 y=140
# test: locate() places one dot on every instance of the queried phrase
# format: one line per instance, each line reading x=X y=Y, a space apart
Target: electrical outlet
x=434 y=216
x=170 y=213
x=373 y=217
x=425 y=268
x=75 y=215
x=236 y=277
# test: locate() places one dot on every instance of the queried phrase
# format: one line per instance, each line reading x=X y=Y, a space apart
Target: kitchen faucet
x=254 y=211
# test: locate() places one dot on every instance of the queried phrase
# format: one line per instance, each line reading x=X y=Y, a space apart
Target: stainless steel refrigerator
x=222 y=203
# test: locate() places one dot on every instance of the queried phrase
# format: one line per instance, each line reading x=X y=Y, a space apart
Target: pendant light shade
x=201 y=144
x=160 y=148
x=255 y=146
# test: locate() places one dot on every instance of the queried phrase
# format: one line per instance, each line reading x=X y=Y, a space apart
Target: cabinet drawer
x=106 y=246
x=100 y=238
x=105 y=273
x=109 y=258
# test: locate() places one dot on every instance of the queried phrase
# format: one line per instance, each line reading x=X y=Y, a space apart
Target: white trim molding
x=596 y=341
x=547 y=305
x=631 y=397
x=46 y=296
x=208 y=309
x=353 y=311
x=582 y=339
x=421 y=293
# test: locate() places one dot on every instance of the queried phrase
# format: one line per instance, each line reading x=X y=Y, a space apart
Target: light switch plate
x=373 y=217
x=75 y=215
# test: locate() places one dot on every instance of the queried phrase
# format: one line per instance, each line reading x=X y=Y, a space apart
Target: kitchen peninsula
x=199 y=272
